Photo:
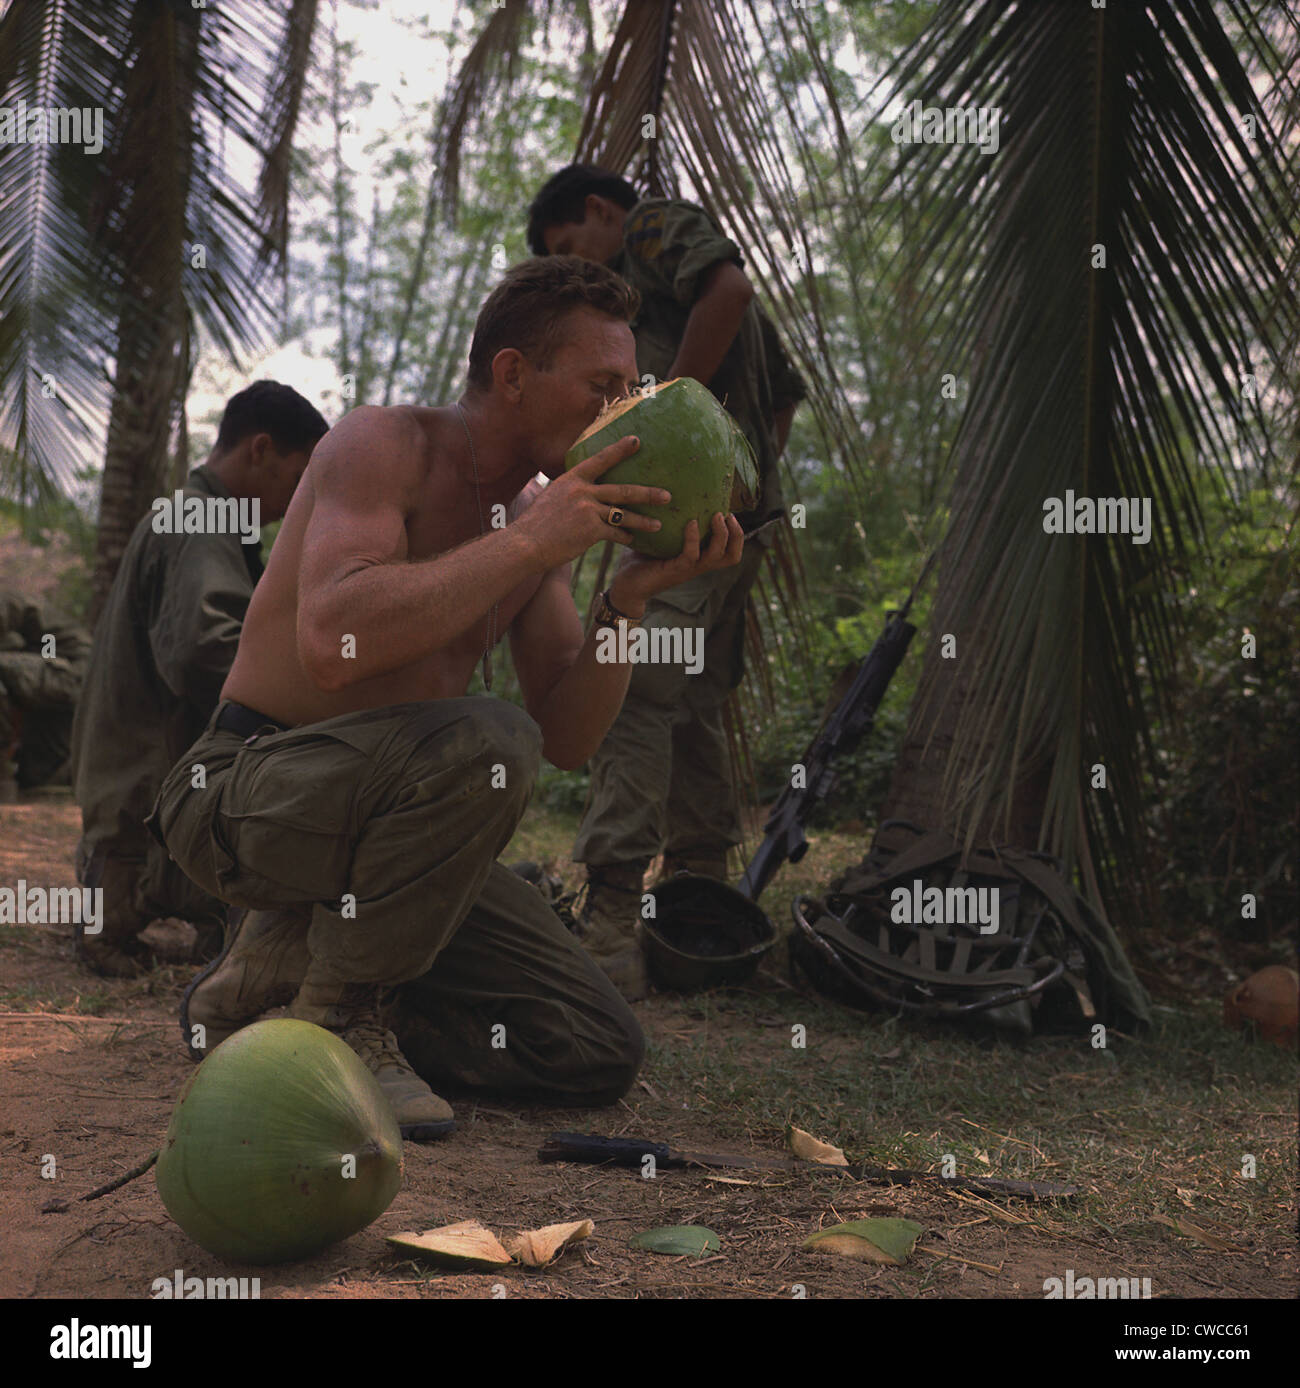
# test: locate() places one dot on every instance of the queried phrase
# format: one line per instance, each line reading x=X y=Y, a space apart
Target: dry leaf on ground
x=808 y=1148
x=467 y=1245
x=535 y=1248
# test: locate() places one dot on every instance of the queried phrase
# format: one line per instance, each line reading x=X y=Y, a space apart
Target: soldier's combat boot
x=262 y=964
x=701 y=864
x=609 y=925
x=114 y=950
x=351 y=1011
x=122 y=958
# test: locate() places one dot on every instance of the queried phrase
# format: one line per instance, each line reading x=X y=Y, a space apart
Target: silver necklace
x=482 y=530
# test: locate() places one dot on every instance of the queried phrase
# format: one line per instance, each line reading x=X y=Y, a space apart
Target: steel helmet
x=703 y=934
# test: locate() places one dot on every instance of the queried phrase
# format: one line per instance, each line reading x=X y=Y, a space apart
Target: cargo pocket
x=285 y=830
x=182 y=814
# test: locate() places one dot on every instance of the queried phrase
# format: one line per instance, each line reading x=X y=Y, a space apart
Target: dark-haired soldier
x=354 y=798
x=661 y=780
x=42 y=663
x=161 y=652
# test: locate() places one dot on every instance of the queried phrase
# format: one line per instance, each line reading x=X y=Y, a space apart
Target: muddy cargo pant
x=386 y=826
x=141 y=883
x=661 y=779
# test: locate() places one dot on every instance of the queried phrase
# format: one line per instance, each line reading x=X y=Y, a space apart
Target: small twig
x=111 y=1094
x=79 y=1017
x=61 y=1206
x=956 y=1257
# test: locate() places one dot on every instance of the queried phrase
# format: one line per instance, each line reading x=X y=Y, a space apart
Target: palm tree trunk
x=151 y=177
x=917 y=790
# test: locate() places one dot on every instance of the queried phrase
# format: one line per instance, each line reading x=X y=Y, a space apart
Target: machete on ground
x=627 y=1151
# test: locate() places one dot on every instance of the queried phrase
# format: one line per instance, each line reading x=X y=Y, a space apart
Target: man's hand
x=639 y=578
x=572 y=512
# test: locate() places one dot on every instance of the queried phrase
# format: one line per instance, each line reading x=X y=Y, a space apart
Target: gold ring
x=615 y=516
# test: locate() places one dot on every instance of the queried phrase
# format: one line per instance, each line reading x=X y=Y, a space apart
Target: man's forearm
x=401 y=613
x=582 y=706
x=586 y=699
x=712 y=325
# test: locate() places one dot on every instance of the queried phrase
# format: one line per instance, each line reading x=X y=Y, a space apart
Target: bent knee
x=610 y=1065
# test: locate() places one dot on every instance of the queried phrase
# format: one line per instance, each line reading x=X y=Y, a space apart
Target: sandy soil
x=95 y=1093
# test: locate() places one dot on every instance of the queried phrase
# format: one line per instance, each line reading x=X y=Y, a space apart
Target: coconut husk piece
x=535 y=1248
x=467 y=1245
x=809 y=1148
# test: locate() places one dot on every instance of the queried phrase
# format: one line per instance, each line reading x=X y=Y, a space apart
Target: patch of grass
x=1156 y=1126
x=32 y=997
x=546 y=835
x=1160 y=1126
x=94 y=1004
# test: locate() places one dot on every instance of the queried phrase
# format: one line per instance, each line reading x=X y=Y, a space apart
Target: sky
x=402 y=66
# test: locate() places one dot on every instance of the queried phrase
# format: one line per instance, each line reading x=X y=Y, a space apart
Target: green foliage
x=397 y=287
x=1223 y=812
x=562 y=791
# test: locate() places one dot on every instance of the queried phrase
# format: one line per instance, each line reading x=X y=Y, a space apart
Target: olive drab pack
x=998 y=936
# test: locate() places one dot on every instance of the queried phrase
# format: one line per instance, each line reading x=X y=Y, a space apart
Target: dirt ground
x=91 y=1077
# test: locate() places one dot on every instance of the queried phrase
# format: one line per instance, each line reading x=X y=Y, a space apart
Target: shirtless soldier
x=347 y=790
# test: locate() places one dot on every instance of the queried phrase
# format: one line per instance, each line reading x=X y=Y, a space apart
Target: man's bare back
x=443 y=513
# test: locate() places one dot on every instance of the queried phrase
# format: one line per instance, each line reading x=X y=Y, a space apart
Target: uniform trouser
x=141 y=883
x=661 y=779
x=386 y=826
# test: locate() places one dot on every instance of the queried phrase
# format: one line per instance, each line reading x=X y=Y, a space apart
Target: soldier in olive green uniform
x=163 y=647
x=661 y=780
x=42 y=663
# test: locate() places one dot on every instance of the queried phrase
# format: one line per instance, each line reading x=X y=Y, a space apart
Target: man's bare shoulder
x=374 y=446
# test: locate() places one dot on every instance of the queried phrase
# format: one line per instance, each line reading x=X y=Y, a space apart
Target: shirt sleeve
x=32 y=679
x=676 y=242
x=198 y=617
x=34 y=682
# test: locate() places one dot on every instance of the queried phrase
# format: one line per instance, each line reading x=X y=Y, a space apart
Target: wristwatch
x=607 y=615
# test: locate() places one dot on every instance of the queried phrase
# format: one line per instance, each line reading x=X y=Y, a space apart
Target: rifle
x=783 y=834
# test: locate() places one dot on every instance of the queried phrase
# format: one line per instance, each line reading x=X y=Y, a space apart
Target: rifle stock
x=851 y=719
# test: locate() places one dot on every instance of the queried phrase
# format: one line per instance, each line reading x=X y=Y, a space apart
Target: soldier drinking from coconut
x=661 y=779
x=348 y=792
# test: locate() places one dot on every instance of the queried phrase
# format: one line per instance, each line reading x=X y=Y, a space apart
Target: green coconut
x=690 y=446
x=281 y=1144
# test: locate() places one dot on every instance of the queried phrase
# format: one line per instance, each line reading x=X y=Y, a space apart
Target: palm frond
x=88 y=239
x=1122 y=128
x=487 y=71
x=53 y=389
x=281 y=119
